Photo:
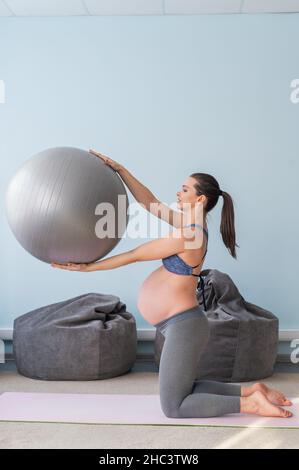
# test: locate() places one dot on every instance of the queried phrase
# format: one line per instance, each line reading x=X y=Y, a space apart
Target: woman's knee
x=170 y=409
x=171 y=412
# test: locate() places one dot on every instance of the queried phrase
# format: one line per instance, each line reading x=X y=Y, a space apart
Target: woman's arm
x=172 y=244
x=108 y=263
x=142 y=194
x=156 y=249
x=112 y=262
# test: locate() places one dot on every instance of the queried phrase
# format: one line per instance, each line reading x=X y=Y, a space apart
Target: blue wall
x=165 y=96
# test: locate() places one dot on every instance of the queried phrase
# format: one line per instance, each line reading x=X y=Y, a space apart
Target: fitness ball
x=66 y=205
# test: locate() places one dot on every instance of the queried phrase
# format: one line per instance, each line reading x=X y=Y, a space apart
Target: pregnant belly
x=163 y=294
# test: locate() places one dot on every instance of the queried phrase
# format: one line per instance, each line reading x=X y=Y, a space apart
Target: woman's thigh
x=184 y=342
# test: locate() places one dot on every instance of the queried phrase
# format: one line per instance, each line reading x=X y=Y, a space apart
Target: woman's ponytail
x=227 y=225
x=206 y=184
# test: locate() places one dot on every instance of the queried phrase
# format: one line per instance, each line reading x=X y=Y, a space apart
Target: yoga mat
x=120 y=409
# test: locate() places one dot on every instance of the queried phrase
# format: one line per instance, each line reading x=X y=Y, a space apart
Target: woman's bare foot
x=258 y=404
x=276 y=397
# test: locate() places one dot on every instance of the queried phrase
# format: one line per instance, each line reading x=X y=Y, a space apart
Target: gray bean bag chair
x=87 y=337
x=243 y=338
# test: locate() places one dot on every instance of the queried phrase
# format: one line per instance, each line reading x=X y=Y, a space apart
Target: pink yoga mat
x=119 y=409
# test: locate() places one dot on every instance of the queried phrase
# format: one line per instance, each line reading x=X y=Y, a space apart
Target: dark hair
x=206 y=184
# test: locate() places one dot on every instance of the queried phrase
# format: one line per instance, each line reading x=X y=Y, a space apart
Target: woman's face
x=187 y=194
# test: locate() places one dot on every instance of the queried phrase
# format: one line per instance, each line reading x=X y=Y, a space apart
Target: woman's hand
x=83 y=267
x=116 y=166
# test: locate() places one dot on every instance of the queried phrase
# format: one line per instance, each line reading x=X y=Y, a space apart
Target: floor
x=143 y=378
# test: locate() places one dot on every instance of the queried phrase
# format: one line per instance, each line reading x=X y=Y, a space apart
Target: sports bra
x=177 y=265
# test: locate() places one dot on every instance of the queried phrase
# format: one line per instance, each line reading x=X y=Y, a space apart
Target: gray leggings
x=181 y=396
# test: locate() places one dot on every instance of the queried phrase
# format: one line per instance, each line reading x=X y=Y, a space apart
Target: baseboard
x=148 y=334
x=280 y=359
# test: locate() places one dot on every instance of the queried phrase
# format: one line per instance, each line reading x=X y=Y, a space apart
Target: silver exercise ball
x=51 y=206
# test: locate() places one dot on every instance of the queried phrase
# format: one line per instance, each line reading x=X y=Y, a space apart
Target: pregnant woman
x=167 y=299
